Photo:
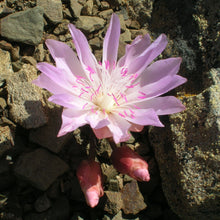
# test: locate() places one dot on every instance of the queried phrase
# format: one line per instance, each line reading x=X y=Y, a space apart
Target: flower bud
x=90 y=179
x=126 y=161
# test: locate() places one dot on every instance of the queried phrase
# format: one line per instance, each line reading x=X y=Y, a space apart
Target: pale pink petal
x=137 y=47
x=82 y=47
x=159 y=70
x=97 y=120
x=92 y=198
x=137 y=64
x=111 y=42
x=162 y=86
x=142 y=174
x=71 y=120
x=163 y=105
x=65 y=58
x=145 y=117
x=68 y=101
x=102 y=133
x=136 y=128
x=119 y=128
x=53 y=79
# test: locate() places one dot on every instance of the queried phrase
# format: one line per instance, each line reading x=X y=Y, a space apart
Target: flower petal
x=111 y=42
x=145 y=117
x=71 y=120
x=68 y=101
x=102 y=132
x=65 y=58
x=82 y=47
x=160 y=69
x=163 y=105
x=136 y=128
x=138 y=63
x=119 y=128
x=53 y=79
x=136 y=48
x=162 y=86
x=97 y=121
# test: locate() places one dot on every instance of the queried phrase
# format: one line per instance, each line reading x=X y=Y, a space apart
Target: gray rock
x=46 y=135
x=126 y=36
x=87 y=8
x=76 y=8
x=113 y=203
x=89 y=24
x=133 y=201
x=52 y=9
x=188 y=156
x=42 y=203
x=106 y=14
x=25 y=26
x=40 y=168
x=6 y=139
x=5 y=64
x=59 y=211
x=95 y=43
x=25 y=99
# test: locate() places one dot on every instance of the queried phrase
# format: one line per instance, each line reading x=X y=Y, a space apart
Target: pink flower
x=113 y=97
x=90 y=179
x=126 y=161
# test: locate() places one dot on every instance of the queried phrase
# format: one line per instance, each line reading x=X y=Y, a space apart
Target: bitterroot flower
x=90 y=179
x=126 y=161
x=113 y=97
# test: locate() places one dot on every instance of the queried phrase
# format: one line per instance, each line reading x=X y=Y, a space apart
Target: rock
x=61 y=28
x=95 y=43
x=89 y=24
x=188 y=156
x=133 y=201
x=42 y=203
x=126 y=36
x=5 y=64
x=106 y=14
x=46 y=136
x=141 y=10
x=25 y=26
x=39 y=53
x=40 y=168
x=25 y=99
x=6 y=139
x=52 y=10
x=29 y=60
x=113 y=203
x=59 y=211
x=76 y=8
x=3 y=104
x=87 y=8
x=104 y=5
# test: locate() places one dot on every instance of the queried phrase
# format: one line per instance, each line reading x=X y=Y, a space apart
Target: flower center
x=104 y=102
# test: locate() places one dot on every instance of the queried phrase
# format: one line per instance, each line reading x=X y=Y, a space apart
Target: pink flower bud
x=90 y=179
x=126 y=161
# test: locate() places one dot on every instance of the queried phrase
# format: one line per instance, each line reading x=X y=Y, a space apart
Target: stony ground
x=37 y=169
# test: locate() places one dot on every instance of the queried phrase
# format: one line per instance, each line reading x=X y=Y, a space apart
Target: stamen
x=84 y=105
x=91 y=71
x=78 y=80
x=124 y=96
x=97 y=90
x=132 y=86
x=125 y=113
x=131 y=111
x=136 y=107
x=116 y=101
x=121 y=115
x=143 y=95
